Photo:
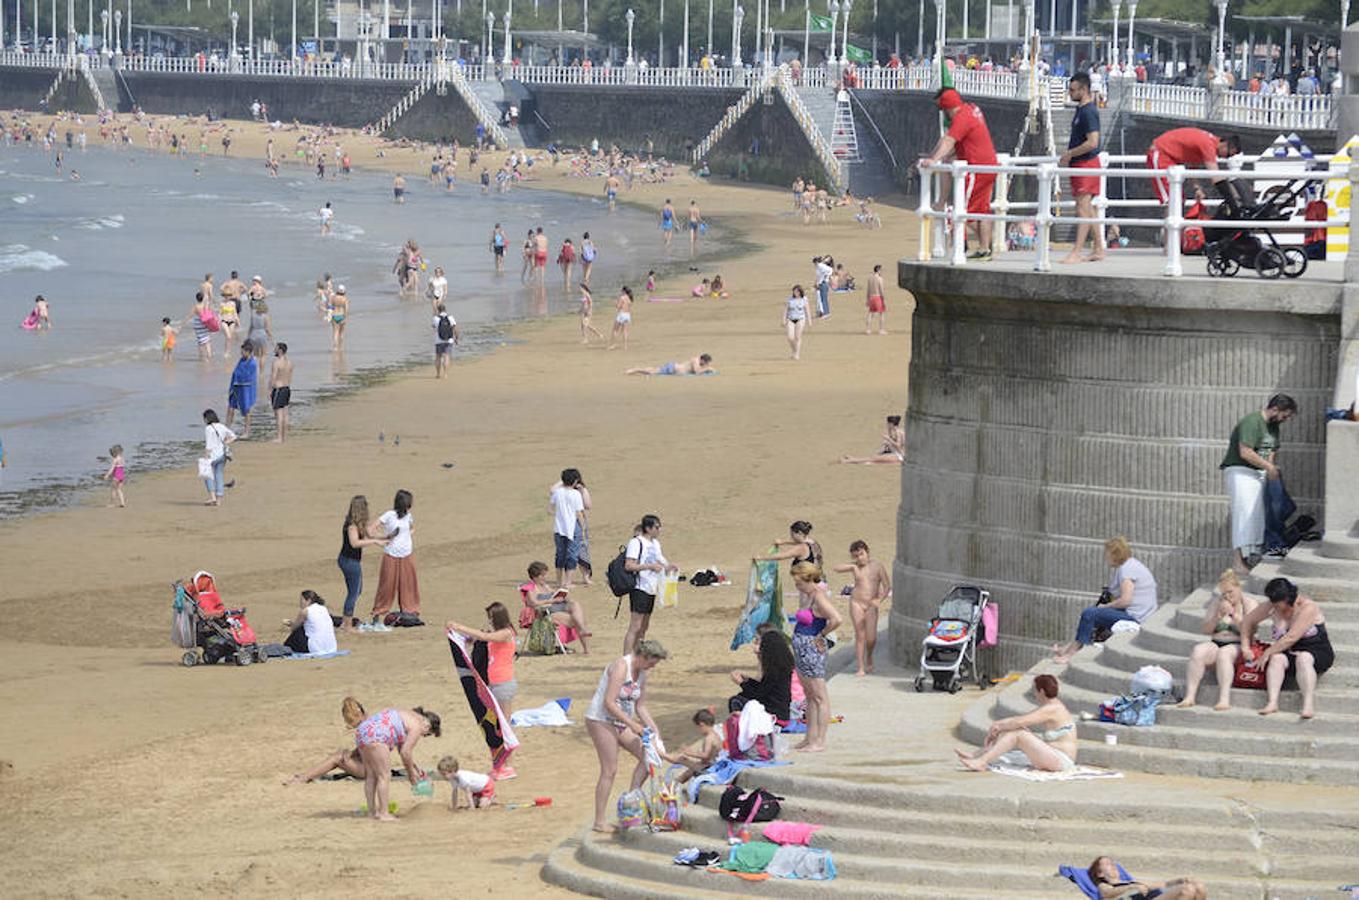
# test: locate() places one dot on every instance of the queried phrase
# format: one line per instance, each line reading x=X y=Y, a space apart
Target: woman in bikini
x=1222 y=623
x=1049 y=747
x=339 y=311
x=617 y=718
x=799 y=547
x=1300 y=650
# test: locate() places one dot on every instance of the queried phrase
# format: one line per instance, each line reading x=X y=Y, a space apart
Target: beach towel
x=243 y=382
x=764 y=602
x=752 y=857
x=790 y=832
x=801 y=862
x=724 y=771
x=470 y=664
x=315 y=655
x=1246 y=489
x=550 y=714
x=1078 y=773
x=1081 y=878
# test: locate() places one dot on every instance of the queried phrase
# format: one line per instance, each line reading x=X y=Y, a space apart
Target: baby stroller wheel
x=1295 y=261
x=955 y=684
x=1269 y=263
x=920 y=684
x=260 y=655
x=243 y=658
x=189 y=660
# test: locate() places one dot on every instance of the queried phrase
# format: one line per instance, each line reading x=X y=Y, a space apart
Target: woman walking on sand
x=354 y=537
x=795 y=315
x=396 y=578
x=643 y=557
x=618 y=718
x=216 y=436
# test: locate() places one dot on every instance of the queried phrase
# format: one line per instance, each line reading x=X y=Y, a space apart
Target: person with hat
x=339 y=311
x=968 y=139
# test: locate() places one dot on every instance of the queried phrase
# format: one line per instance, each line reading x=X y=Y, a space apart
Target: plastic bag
x=204 y=467
x=668 y=595
x=1151 y=680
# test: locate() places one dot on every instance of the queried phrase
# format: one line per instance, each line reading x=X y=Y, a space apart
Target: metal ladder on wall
x=734 y=114
x=844 y=139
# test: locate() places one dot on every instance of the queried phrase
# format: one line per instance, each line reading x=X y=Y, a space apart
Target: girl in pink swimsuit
x=115 y=476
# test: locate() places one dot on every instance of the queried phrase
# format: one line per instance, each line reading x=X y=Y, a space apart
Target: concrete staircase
x=1235 y=744
x=873 y=174
x=493 y=98
x=734 y=114
x=894 y=840
x=100 y=87
x=402 y=106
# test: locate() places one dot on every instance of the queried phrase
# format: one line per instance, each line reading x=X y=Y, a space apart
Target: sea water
x=130 y=241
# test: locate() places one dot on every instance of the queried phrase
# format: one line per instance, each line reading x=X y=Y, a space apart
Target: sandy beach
x=127 y=775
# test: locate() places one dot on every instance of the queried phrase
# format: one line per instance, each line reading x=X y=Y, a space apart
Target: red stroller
x=201 y=620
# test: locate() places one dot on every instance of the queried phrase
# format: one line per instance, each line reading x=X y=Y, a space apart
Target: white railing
x=1294 y=111
x=632 y=76
x=485 y=115
x=835 y=169
x=733 y=114
x=92 y=85
x=1176 y=101
x=401 y=106
x=936 y=214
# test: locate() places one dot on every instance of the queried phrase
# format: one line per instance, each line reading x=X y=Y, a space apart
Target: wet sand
x=133 y=776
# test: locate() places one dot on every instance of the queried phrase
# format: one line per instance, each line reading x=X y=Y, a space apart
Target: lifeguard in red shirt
x=1189 y=147
x=969 y=140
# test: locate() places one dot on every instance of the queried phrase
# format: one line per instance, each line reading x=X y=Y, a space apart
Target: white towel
x=755 y=721
x=1246 y=490
x=550 y=714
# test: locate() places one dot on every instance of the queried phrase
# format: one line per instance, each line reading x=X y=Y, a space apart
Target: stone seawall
x=1049 y=413
x=25 y=88
x=629 y=116
x=347 y=103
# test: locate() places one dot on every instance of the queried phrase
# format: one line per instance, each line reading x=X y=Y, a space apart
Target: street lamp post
x=489 y=49
x=506 y=60
x=938 y=33
x=70 y=29
x=630 y=16
x=1344 y=14
x=844 y=36
x=737 y=17
x=117 y=32
x=708 y=47
x=235 y=20
x=292 y=54
x=1221 y=40
x=249 y=27
x=835 y=16
x=89 y=28
x=1132 y=19
x=1113 y=51
x=104 y=34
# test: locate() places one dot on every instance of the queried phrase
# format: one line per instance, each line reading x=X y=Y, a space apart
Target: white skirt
x=1246 y=491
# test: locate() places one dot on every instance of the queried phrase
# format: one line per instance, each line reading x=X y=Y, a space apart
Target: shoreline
x=727 y=461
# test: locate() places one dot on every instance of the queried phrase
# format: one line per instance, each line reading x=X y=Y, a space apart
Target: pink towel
x=789 y=832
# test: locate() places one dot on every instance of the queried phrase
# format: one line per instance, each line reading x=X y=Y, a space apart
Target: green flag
x=819 y=23
x=858 y=55
x=945 y=74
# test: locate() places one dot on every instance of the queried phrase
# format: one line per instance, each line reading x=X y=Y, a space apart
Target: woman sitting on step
x=1130 y=596
x=1050 y=746
x=1222 y=623
x=1299 y=650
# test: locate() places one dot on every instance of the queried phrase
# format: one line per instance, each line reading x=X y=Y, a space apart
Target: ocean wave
x=16 y=257
x=204 y=197
x=268 y=204
x=99 y=223
x=21 y=198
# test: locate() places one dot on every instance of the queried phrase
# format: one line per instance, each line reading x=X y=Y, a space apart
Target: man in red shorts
x=1189 y=147
x=969 y=140
x=1083 y=153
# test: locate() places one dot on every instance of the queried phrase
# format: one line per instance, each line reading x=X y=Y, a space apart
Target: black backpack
x=445 y=328
x=621 y=581
x=743 y=806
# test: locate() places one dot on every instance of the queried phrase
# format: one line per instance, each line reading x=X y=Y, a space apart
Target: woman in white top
x=396 y=578
x=313 y=629
x=795 y=319
x=618 y=717
x=216 y=436
x=644 y=558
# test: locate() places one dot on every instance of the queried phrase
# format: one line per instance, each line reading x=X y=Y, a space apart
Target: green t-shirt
x=1255 y=433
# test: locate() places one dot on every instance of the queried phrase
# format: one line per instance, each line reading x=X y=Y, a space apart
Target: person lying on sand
x=695 y=365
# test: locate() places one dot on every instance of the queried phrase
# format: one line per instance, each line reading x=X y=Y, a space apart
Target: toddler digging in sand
x=479 y=788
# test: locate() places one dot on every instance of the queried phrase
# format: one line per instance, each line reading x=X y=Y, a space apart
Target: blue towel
x=244 y=379
x=724 y=771
x=1081 y=878
x=316 y=655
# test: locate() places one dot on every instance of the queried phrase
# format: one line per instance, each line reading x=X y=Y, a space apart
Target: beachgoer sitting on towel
x=695 y=365
x=1131 y=595
x=1049 y=747
x=1105 y=875
x=701 y=753
x=773 y=687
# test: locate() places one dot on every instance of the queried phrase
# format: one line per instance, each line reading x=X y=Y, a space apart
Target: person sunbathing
x=695 y=365
x=893 y=449
x=1111 y=886
x=1050 y=747
x=702 y=753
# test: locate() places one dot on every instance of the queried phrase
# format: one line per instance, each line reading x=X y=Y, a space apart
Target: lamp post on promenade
x=117 y=32
x=1132 y=19
x=1221 y=40
x=1113 y=51
x=104 y=34
x=737 y=17
x=630 y=17
x=490 y=39
x=507 y=59
x=835 y=16
x=844 y=35
x=235 y=54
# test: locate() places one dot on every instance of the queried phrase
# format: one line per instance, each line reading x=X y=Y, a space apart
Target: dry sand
x=134 y=776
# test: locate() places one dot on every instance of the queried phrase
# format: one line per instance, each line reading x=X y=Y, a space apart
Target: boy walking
x=872 y=585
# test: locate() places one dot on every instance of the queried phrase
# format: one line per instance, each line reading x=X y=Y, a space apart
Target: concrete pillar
x=1347 y=102
x=1341 y=521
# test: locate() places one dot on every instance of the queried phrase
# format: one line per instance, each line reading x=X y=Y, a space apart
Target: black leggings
x=297 y=640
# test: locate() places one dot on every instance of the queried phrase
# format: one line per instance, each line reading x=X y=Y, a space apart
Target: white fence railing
x=1172 y=100
x=485 y=115
x=733 y=115
x=938 y=213
x=1295 y=111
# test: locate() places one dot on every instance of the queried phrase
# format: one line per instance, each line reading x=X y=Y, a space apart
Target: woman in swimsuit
x=1222 y=620
x=1104 y=874
x=339 y=310
x=1049 y=747
x=799 y=547
x=1300 y=649
x=375 y=739
x=617 y=718
x=795 y=319
x=816 y=618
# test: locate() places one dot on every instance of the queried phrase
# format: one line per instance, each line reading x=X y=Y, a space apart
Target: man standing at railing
x=1189 y=147
x=1083 y=153
x=968 y=139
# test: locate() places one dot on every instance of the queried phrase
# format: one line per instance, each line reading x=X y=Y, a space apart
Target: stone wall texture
x=348 y=103
x=628 y=116
x=1039 y=427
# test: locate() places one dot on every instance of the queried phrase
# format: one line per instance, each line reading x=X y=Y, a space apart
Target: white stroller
x=948 y=654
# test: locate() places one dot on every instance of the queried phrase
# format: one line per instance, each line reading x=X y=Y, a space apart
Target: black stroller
x=1253 y=245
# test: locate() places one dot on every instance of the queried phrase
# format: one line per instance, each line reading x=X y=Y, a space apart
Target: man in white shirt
x=569 y=500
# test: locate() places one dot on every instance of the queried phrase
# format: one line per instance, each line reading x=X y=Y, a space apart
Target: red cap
x=949 y=99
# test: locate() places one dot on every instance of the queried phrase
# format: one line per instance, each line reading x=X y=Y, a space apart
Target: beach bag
x=182 y=631
x=762 y=749
x=632 y=811
x=1138 y=709
x=1247 y=676
x=664 y=804
x=990 y=619
x=1151 y=680
x=542 y=637
x=668 y=597
x=210 y=320
x=621 y=581
x=740 y=805
x=402 y=620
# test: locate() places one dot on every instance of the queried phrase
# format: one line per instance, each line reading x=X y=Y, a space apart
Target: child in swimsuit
x=167 y=339
x=116 y=475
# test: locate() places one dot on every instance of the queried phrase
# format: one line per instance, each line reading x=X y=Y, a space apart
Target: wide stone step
x=1342 y=621
x=1088 y=672
x=1214 y=764
x=565 y=870
x=1305 y=562
x=1300 y=745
